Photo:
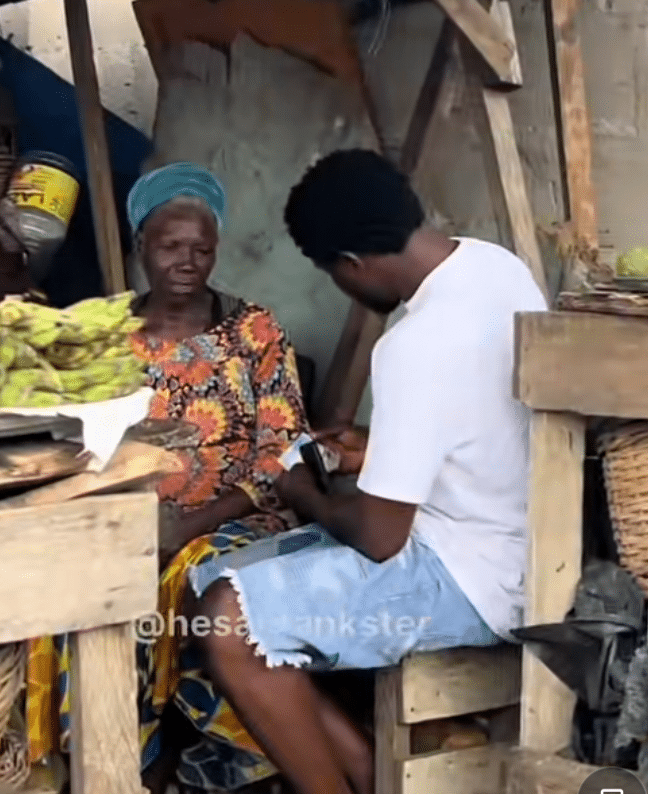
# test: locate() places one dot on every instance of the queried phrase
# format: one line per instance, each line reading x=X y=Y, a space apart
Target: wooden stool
x=434 y=686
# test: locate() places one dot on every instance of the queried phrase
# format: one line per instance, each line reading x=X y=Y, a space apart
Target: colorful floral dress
x=238 y=384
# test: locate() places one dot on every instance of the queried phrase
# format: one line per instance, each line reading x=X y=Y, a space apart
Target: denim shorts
x=311 y=602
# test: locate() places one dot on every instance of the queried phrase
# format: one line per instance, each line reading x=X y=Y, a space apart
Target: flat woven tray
x=625 y=467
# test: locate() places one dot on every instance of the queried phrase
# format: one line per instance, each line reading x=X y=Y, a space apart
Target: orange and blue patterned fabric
x=238 y=384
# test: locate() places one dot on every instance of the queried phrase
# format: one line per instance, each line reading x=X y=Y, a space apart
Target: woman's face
x=179 y=252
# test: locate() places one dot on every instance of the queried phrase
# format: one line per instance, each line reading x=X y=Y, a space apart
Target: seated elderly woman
x=224 y=366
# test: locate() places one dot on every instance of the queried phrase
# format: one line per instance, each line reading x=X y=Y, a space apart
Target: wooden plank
x=354 y=376
x=392 y=738
x=77 y=565
x=105 y=755
x=427 y=100
x=104 y=211
x=503 y=167
x=625 y=304
x=537 y=773
x=459 y=681
x=485 y=34
x=591 y=364
x=554 y=568
x=133 y=466
x=332 y=408
x=575 y=137
x=479 y=769
x=501 y=11
x=30 y=462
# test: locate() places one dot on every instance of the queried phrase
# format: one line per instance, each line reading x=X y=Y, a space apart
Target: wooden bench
x=434 y=686
x=87 y=566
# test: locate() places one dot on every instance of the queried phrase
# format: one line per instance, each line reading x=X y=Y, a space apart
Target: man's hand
x=298 y=490
x=350 y=443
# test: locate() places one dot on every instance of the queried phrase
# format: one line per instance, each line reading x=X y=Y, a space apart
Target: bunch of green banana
x=17 y=396
x=109 y=391
x=80 y=354
x=96 y=318
x=109 y=371
x=37 y=325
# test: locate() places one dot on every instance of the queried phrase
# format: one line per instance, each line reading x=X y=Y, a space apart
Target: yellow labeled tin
x=45 y=183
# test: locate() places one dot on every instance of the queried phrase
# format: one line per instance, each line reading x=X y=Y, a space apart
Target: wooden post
x=102 y=196
x=105 y=754
x=494 y=124
x=555 y=560
x=572 y=121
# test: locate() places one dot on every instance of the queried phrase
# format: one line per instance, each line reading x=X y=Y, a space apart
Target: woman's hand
x=350 y=443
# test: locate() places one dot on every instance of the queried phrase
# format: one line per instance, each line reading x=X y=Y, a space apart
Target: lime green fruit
x=633 y=264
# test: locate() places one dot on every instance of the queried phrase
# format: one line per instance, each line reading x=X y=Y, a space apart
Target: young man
x=430 y=553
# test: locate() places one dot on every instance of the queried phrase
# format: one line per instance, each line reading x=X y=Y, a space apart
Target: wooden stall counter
x=88 y=566
x=569 y=366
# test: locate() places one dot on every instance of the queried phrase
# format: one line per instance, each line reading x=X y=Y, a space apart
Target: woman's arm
x=183 y=527
x=280 y=413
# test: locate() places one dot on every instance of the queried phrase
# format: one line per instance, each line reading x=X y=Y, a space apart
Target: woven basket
x=625 y=467
x=12 y=677
x=14 y=761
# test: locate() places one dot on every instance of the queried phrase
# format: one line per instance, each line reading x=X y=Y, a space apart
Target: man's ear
x=351 y=261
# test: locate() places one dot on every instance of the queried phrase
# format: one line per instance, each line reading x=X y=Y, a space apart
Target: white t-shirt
x=446 y=433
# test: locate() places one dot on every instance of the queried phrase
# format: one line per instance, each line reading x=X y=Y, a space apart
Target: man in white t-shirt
x=430 y=553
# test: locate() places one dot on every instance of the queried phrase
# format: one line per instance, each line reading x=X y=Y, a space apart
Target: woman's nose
x=186 y=257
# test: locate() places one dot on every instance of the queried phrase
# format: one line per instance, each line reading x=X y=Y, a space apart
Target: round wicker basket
x=14 y=760
x=625 y=467
x=12 y=677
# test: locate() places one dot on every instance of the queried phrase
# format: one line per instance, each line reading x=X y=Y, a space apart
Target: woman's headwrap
x=171 y=181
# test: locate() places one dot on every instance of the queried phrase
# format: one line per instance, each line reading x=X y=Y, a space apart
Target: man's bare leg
x=280 y=706
x=354 y=753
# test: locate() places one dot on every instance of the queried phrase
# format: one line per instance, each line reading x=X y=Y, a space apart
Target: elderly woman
x=225 y=367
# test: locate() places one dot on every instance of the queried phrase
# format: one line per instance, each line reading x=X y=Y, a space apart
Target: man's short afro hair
x=352 y=201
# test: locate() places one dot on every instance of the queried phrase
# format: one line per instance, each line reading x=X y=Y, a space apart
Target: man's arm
x=377 y=528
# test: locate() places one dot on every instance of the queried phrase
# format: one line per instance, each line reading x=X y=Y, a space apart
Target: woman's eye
x=205 y=251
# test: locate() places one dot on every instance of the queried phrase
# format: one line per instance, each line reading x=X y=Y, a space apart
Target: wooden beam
x=459 y=681
x=591 y=364
x=478 y=769
x=605 y=301
x=554 y=568
x=105 y=755
x=485 y=34
x=111 y=577
x=427 y=100
x=504 y=174
x=98 y=167
x=572 y=120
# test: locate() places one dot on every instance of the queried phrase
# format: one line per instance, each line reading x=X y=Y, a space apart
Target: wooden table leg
x=105 y=755
x=555 y=560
